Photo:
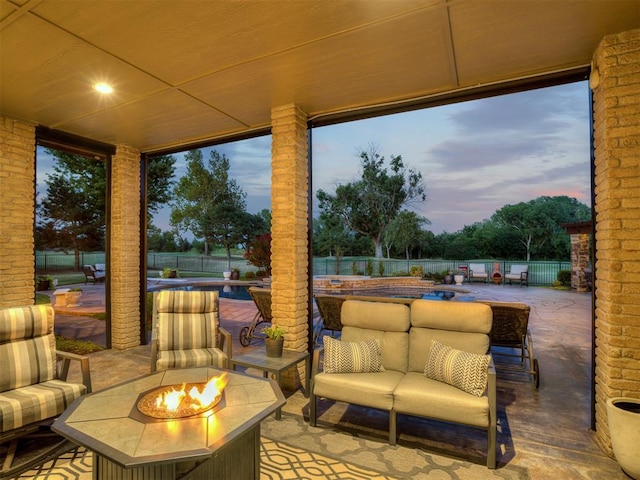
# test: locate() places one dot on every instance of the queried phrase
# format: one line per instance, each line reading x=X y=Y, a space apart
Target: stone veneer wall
x=124 y=237
x=617 y=178
x=289 y=205
x=17 y=211
x=579 y=261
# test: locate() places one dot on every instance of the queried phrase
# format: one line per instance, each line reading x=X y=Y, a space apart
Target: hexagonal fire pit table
x=222 y=442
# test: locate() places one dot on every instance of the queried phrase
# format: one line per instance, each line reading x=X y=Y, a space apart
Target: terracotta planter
x=448 y=279
x=496 y=277
x=235 y=275
x=623 y=416
x=274 y=347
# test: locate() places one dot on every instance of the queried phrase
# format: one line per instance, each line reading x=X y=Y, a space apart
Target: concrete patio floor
x=549 y=428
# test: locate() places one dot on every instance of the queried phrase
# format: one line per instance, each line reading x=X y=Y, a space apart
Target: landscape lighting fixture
x=102 y=87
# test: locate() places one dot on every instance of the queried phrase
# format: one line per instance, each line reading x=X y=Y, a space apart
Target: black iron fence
x=540 y=273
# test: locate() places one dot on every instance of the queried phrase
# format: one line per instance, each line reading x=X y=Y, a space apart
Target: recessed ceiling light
x=103 y=88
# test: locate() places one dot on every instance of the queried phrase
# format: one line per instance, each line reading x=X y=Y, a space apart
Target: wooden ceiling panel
x=358 y=68
x=182 y=41
x=175 y=118
x=528 y=37
x=48 y=75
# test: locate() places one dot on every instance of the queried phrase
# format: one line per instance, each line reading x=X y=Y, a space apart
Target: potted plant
x=274 y=341
x=44 y=282
x=73 y=297
x=235 y=274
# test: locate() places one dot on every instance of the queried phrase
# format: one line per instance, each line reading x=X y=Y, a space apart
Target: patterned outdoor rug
x=291 y=449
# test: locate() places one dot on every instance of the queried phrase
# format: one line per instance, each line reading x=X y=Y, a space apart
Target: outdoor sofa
x=427 y=358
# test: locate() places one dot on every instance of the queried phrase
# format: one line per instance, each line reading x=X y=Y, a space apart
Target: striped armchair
x=33 y=386
x=186 y=331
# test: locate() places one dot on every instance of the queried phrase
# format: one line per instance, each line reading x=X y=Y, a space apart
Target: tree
x=259 y=253
x=537 y=224
x=208 y=203
x=330 y=236
x=72 y=214
x=160 y=173
x=368 y=205
x=405 y=231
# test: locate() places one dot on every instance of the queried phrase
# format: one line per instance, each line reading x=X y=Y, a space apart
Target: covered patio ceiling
x=199 y=71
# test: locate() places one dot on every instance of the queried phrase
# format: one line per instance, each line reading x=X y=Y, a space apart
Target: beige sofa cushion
x=456 y=316
x=373 y=390
x=386 y=322
x=425 y=397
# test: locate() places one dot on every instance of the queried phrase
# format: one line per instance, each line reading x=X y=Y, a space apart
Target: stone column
x=124 y=236
x=616 y=93
x=579 y=261
x=17 y=212
x=289 y=257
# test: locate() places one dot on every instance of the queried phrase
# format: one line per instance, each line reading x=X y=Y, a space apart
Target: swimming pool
x=241 y=292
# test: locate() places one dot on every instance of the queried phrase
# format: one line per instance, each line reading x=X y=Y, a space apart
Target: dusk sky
x=475 y=157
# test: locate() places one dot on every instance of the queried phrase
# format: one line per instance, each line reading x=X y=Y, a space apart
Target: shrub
x=564 y=277
x=369 y=267
x=354 y=268
x=261 y=274
x=381 y=269
x=249 y=275
x=415 y=271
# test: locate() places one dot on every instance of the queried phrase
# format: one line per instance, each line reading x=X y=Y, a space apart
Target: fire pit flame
x=173 y=402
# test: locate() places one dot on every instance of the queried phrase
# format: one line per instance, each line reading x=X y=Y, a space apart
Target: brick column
x=124 y=236
x=617 y=177
x=17 y=211
x=289 y=258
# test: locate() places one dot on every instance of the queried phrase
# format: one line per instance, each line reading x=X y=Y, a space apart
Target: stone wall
x=124 y=237
x=616 y=93
x=17 y=186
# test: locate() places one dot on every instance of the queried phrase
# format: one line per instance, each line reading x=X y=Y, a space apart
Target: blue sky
x=475 y=157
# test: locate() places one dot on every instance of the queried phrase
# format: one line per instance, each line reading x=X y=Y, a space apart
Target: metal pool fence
x=540 y=273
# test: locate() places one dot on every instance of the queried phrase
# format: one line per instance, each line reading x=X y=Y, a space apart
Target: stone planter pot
x=73 y=299
x=226 y=274
x=274 y=347
x=623 y=416
x=448 y=279
x=235 y=275
x=459 y=279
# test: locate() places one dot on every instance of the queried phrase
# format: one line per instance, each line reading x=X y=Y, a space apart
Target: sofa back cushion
x=386 y=322
x=186 y=320
x=460 y=325
x=27 y=346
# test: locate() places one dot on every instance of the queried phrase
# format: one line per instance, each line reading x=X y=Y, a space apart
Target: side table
x=257 y=358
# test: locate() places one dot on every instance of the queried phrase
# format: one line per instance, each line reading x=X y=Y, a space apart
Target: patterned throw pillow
x=464 y=370
x=352 y=357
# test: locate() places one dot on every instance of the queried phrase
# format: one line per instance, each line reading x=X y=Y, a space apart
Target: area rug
x=293 y=450
x=279 y=461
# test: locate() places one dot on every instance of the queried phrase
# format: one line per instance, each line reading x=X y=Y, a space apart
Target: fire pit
x=187 y=400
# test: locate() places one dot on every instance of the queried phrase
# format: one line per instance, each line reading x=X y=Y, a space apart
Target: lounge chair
x=262 y=298
x=476 y=270
x=518 y=273
x=33 y=386
x=510 y=330
x=91 y=274
x=329 y=307
x=186 y=331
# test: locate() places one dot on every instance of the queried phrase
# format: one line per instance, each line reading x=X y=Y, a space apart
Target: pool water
x=234 y=292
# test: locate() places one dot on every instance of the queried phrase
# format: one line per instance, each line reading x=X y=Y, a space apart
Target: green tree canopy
x=368 y=205
x=405 y=232
x=537 y=225
x=208 y=203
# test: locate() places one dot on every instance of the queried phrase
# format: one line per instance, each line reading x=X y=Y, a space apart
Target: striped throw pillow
x=464 y=370
x=352 y=357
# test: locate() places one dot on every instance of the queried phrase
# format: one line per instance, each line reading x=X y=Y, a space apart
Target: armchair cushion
x=352 y=357
x=464 y=370
x=26 y=405
x=27 y=346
